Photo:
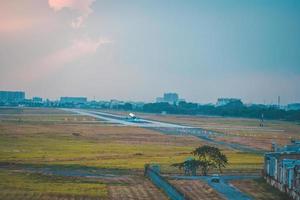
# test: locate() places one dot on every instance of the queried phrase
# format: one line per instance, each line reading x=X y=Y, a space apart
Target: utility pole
x=262 y=120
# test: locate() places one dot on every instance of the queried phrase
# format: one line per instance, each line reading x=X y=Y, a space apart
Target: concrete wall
x=152 y=172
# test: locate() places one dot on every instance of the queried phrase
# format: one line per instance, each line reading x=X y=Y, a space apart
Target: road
x=118 y=119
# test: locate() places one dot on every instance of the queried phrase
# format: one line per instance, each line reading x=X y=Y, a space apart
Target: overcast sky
x=138 y=49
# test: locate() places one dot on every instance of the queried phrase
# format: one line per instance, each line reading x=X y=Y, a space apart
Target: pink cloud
x=53 y=62
x=14 y=25
x=83 y=7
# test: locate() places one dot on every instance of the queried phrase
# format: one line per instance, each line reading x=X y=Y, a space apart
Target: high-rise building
x=37 y=99
x=12 y=96
x=170 y=98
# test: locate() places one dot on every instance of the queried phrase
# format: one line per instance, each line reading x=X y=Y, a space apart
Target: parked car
x=215 y=178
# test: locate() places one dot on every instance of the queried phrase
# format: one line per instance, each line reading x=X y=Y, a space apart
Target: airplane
x=133 y=118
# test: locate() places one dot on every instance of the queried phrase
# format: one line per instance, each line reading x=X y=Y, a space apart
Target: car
x=215 y=178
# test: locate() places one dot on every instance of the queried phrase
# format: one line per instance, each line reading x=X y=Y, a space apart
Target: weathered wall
x=154 y=175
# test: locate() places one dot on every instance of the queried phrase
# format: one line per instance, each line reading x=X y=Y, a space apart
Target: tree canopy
x=207 y=158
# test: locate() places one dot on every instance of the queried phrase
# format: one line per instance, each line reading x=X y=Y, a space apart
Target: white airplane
x=132 y=116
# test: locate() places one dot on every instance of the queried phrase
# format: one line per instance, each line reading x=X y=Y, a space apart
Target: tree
x=210 y=157
x=189 y=166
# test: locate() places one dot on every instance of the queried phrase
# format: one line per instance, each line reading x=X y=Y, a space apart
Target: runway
x=119 y=119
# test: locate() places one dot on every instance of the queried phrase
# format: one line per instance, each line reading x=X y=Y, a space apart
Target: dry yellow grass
x=135 y=188
x=237 y=130
x=97 y=144
x=196 y=190
x=32 y=141
x=259 y=189
x=18 y=185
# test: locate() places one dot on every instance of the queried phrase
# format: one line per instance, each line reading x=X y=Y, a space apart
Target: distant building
x=293 y=106
x=225 y=101
x=73 y=100
x=181 y=100
x=12 y=96
x=171 y=98
x=37 y=99
x=114 y=103
x=282 y=168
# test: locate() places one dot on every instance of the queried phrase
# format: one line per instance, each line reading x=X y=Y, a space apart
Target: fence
x=153 y=173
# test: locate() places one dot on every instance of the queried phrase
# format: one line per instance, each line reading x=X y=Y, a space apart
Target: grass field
x=196 y=190
x=101 y=146
x=19 y=185
x=237 y=130
x=16 y=185
x=134 y=188
x=50 y=137
x=96 y=144
x=260 y=190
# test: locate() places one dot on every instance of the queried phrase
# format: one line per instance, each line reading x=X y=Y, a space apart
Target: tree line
x=234 y=109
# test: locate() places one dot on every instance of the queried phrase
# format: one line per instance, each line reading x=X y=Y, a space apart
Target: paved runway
x=118 y=119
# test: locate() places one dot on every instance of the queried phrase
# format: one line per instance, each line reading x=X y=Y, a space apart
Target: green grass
x=40 y=143
x=68 y=150
x=63 y=149
x=35 y=185
x=32 y=143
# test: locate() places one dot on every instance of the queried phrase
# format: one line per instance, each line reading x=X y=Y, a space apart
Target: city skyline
x=137 y=50
x=165 y=98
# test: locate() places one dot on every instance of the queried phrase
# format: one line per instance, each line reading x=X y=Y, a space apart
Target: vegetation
x=196 y=190
x=98 y=145
x=235 y=109
x=260 y=190
x=15 y=183
x=33 y=143
x=208 y=158
x=189 y=166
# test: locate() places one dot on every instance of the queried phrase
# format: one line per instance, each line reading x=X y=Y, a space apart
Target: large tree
x=189 y=166
x=208 y=157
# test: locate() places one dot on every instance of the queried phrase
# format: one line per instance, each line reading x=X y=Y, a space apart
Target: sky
x=139 y=49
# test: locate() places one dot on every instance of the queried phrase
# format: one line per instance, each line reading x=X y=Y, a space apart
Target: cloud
x=51 y=63
x=14 y=25
x=83 y=7
x=78 y=48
